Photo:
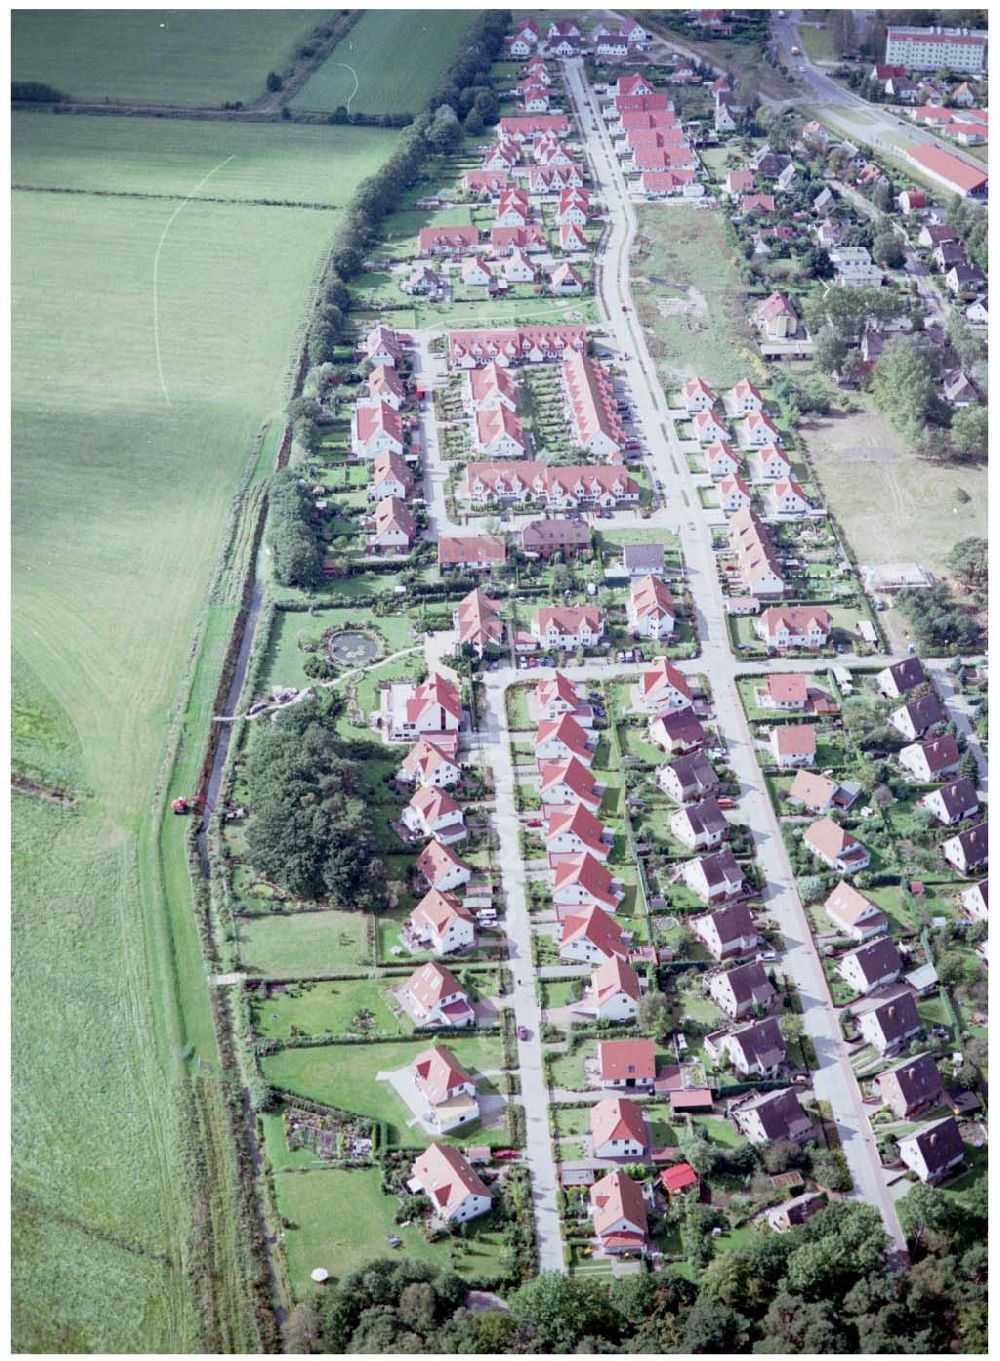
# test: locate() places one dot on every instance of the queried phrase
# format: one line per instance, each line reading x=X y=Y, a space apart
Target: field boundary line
x=156 y=267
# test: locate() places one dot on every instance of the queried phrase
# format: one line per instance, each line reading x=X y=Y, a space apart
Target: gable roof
x=563 y=729
x=877 y=959
x=616 y=1197
x=594 y=925
x=617 y=1118
x=447 y=1177
x=615 y=975
x=794 y=739
x=624 y=1059
x=438 y=910
x=430 y=982
x=589 y=874
x=896 y=1017
x=439 y=1072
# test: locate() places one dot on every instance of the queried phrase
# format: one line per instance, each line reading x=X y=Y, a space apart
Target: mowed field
x=689 y=296
x=146 y=56
x=290 y=162
x=389 y=62
x=121 y=487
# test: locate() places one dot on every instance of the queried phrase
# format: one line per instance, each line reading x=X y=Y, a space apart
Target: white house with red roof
x=446 y=1178
x=793 y=745
x=476 y=273
x=443 y=240
x=383 y=346
x=518 y=269
x=708 y=428
x=556 y=695
x=794 y=626
x=558 y=739
x=434 y=996
x=534 y=98
x=567 y=782
x=499 y=433
x=564 y=279
x=744 y=398
x=696 y=395
x=502 y=156
x=442 y=867
x=633 y=85
x=385 y=385
x=493 y=386
x=568 y=626
x=411 y=710
x=787 y=500
x=471 y=552
x=663 y=686
x=574 y=830
x=441 y=923
x=734 y=495
x=614 y=991
x=583 y=882
x=513 y=209
x=619 y=1213
x=776 y=317
x=627 y=1064
x=650 y=609
x=447 y=1089
x=618 y=1129
x=721 y=460
x=376 y=428
x=426 y=763
x=588 y=935
x=433 y=812
x=521 y=344
x=769 y=463
x=572 y=239
x=485 y=183
x=758 y=429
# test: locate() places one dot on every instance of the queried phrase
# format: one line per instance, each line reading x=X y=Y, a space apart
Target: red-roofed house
x=583 y=882
x=435 y=997
x=776 y=317
x=618 y=1129
x=453 y=1188
x=794 y=745
x=614 y=991
x=567 y=782
x=650 y=609
x=556 y=695
x=393 y=529
x=708 y=428
x=499 y=433
x=769 y=463
x=471 y=552
x=786 y=499
x=627 y=1063
x=744 y=398
x=619 y=1211
x=390 y=475
x=560 y=738
x=427 y=764
x=783 y=627
x=376 y=429
x=677 y=1179
x=568 y=626
x=721 y=460
x=442 y=867
x=448 y=240
x=596 y=424
x=575 y=830
x=758 y=429
x=433 y=812
x=696 y=395
x=588 y=935
x=447 y=1088
x=948 y=170
x=441 y=923
x=734 y=495
x=477 y=623
x=663 y=686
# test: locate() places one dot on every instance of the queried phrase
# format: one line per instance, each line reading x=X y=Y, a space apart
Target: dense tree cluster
x=824 y=1287
x=310 y=828
x=293 y=533
x=939 y=622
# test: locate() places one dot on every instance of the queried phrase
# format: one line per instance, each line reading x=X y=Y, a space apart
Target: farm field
x=689 y=296
x=893 y=506
x=151 y=57
x=121 y=489
x=294 y=162
x=388 y=63
x=341 y=1219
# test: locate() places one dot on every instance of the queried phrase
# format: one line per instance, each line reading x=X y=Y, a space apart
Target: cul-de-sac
x=500 y=681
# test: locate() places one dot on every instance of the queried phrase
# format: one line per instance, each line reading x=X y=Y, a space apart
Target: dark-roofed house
x=975 y=901
x=739 y=991
x=677 y=732
x=545 y=537
x=872 y=966
x=912 y=1087
x=933 y=1150
x=901 y=677
x=714 y=877
x=700 y=826
x=728 y=933
x=643 y=559
x=689 y=777
x=934 y=759
x=772 y=1115
x=917 y=717
x=953 y=802
x=892 y=1024
x=795 y=1211
x=969 y=850
x=757 y=1049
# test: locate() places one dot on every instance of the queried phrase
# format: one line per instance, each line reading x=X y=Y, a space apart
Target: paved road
x=496 y=755
x=834 y=1080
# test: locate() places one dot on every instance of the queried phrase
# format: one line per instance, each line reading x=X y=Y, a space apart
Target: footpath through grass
x=149 y=56
x=390 y=62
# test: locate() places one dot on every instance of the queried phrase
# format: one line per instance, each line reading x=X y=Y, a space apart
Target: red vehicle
x=504 y=1153
x=724 y=802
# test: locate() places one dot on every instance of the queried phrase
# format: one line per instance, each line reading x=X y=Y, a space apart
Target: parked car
x=523 y=1033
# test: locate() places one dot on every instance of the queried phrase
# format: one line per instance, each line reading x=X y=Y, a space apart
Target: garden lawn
x=566 y=1070
x=291 y=162
x=303 y=944
x=345 y=1075
x=145 y=56
x=341 y=1219
x=328 y=1009
x=389 y=62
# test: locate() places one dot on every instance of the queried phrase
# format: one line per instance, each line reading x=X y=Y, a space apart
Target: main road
x=834 y=1081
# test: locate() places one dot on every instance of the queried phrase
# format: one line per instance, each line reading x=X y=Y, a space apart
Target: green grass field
x=121 y=489
x=689 y=297
x=341 y=1219
x=388 y=63
x=149 y=56
x=328 y=1009
x=293 y=162
x=303 y=943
